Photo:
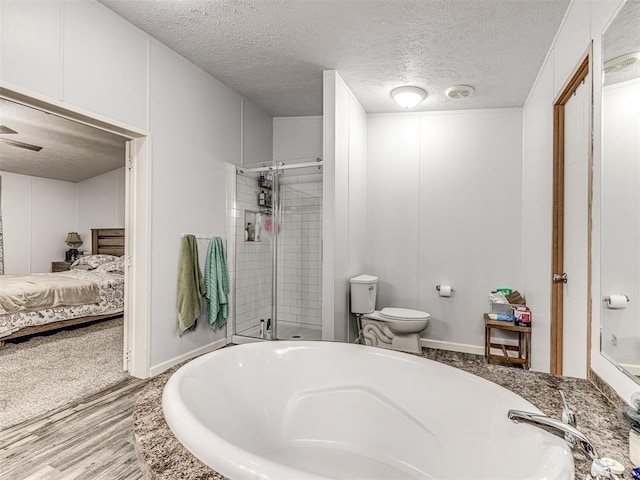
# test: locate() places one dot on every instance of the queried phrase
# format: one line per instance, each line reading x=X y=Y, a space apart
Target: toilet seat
x=393 y=313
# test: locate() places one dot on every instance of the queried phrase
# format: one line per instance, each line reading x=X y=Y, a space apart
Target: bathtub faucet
x=575 y=438
x=558 y=427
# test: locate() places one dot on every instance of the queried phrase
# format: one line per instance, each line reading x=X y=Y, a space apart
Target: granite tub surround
x=162 y=456
x=596 y=414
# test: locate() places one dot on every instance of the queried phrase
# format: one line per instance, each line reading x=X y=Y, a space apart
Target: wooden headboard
x=107 y=241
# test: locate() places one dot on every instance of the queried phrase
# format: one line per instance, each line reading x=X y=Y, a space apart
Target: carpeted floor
x=47 y=372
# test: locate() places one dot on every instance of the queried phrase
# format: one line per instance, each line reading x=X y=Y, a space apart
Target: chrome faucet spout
x=560 y=428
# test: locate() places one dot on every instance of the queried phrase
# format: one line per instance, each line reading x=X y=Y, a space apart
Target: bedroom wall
x=100 y=204
x=37 y=213
x=116 y=72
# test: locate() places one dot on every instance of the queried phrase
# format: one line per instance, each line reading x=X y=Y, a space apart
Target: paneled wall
x=344 y=197
x=443 y=207
x=83 y=54
x=581 y=29
x=37 y=214
x=101 y=204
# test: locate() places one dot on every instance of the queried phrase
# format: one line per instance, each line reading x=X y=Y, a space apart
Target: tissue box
x=522 y=316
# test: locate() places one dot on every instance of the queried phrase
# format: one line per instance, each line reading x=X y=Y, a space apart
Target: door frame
x=136 y=350
x=576 y=78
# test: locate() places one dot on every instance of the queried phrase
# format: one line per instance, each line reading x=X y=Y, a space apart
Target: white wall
x=196 y=129
x=257 y=137
x=443 y=207
x=37 y=214
x=583 y=24
x=100 y=204
x=297 y=137
x=620 y=239
x=344 y=154
x=115 y=72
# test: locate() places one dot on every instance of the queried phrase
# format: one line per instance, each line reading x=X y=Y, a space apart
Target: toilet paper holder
x=438 y=288
x=607 y=298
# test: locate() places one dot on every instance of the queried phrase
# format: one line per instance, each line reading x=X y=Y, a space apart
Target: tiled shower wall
x=300 y=258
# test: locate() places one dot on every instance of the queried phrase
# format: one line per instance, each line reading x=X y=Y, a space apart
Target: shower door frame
x=277 y=168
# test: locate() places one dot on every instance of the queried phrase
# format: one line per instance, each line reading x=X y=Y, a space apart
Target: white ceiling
x=273 y=52
x=622 y=37
x=70 y=151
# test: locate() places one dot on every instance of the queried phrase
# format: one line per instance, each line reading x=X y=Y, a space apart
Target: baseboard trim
x=240 y=340
x=452 y=347
x=161 y=367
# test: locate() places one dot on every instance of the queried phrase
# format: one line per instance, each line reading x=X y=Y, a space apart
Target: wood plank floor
x=89 y=439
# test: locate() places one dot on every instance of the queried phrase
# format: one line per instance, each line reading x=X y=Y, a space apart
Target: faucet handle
x=600 y=470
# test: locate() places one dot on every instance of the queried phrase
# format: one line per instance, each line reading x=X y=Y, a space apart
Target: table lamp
x=74 y=241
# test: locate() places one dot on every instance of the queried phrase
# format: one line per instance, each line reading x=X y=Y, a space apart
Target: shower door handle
x=560 y=277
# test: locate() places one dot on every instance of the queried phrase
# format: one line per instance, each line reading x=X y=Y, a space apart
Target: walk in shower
x=278 y=238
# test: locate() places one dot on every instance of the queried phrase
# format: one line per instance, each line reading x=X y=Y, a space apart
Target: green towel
x=216 y=279
x=190 y=285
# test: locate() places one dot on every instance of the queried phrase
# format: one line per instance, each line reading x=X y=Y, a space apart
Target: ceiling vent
x=621 y=63
x=459 y=91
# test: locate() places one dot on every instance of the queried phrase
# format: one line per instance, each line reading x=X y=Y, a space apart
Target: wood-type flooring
x=90 y=439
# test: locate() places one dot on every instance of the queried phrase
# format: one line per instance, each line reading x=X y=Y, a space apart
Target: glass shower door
x=279 y=251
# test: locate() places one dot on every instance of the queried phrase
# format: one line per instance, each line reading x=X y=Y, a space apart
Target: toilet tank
x=363 y=293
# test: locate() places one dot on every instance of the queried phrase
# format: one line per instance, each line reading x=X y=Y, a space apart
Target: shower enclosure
x=278 y=237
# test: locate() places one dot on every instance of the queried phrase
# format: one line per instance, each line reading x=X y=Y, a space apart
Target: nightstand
x=60 y=266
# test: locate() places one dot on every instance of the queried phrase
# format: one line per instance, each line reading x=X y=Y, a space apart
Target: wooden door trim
x=557 y=262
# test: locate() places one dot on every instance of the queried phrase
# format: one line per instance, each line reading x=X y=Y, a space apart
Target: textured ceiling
x=622 y=37
x=71 y=151
x=274 y=51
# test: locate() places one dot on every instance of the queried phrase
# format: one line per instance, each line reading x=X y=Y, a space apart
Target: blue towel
x=216 y=281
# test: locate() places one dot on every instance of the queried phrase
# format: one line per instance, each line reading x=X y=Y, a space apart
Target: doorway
x=571 y=243
x=136 y=302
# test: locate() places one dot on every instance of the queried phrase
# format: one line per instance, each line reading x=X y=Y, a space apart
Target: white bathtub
x=319 y=410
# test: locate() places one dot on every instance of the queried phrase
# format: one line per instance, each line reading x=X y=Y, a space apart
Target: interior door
x=576 y=231
x=571 y=242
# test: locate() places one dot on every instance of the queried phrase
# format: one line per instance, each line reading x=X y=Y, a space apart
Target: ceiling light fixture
x=621 y=63
x=408 y=97
x=459 y=91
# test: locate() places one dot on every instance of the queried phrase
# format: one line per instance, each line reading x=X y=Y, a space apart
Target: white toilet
x=394 y=328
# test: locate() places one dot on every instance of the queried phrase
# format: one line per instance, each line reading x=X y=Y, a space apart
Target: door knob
x=560 y=277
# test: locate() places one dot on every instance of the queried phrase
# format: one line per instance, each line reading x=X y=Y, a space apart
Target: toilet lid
x=403 y=314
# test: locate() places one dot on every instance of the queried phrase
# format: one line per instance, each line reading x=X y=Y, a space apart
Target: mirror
x=620 y=216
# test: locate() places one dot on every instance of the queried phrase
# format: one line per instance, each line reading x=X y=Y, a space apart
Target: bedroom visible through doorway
x=64 y=182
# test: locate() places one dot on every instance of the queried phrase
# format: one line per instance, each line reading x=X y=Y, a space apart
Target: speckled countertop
x=163 y=457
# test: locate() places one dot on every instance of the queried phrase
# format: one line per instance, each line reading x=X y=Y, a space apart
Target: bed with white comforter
x=94 y=287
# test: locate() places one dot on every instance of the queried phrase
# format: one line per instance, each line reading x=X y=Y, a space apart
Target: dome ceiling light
x=408 y=97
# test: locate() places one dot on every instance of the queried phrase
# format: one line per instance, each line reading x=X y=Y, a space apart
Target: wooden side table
x=60 y=266
x=523 y=349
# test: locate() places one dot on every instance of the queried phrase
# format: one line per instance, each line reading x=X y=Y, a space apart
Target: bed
x=98 y=278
